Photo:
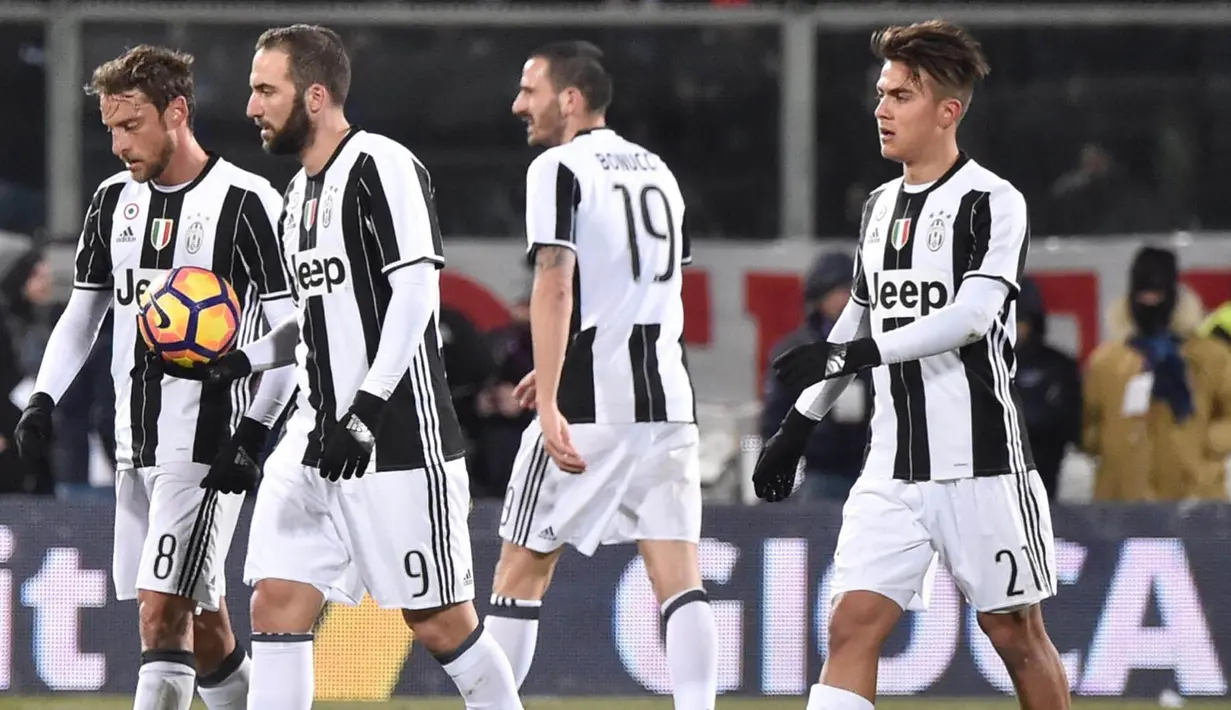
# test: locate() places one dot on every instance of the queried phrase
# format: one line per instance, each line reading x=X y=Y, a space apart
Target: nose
x=519 y=106
x=119 y=144
x=882 y=108
x=253 y=109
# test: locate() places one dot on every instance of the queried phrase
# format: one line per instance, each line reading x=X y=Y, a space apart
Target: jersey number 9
x=667 y=233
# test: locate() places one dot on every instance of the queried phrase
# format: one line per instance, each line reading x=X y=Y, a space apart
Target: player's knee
x=523 y=573
x=1016 y=635
x=166 y=620
x=860 y=622
x=671 y=566
x=280 y=606
x=442 y=629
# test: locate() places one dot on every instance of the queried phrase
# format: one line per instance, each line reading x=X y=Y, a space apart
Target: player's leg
x=411 y=545
x=880 y=566
x=180 y=560
x=296 y=559
x=664 y=495
x=223 y=668
x=523 y=574
x=996 y=539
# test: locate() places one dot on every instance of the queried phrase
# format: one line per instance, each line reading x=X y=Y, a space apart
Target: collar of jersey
x=588 y=131
x=958 y=164
x=210 y=162
x=336 y=152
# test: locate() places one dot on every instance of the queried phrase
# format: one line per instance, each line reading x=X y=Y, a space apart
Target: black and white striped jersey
x=618 y=206
x=367 y=213
x=224 y=221
x=957 y=414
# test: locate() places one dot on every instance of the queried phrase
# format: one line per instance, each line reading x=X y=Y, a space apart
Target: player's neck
x=328 y=135
x=588 y=123
x=185 y=164
x=931 y=166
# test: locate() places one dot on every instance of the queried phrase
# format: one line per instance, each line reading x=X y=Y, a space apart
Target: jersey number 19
x=648 y=227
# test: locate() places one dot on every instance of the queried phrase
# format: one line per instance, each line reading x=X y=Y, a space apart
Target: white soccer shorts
x=993 y=534
x=401 y=536
x=642 y=482
x=171 y=535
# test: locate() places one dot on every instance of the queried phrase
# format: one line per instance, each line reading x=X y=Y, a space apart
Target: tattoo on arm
x=552 y=257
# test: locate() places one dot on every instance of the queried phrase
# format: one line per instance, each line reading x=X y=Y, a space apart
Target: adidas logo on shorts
x=467 y=579
x=548 y=534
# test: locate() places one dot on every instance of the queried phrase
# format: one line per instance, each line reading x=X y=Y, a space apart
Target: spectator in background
x=1050 y=385
x=835 y=452
x=25 y=324
x=503 y=419
x=468 y=368
x=1157 y=396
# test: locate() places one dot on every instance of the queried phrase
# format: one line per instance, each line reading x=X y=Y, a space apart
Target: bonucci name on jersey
x=222 y=221
x=367 y=213
x=957 y=414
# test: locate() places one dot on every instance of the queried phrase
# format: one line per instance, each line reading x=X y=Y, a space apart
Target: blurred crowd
x=1151 y=405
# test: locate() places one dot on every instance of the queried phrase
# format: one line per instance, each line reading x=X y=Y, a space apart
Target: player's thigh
x=995 y=536
x=663 y=498
x=297 y=532
x=189 y=530
x=883 y=545
x=409 y=535
x=132 y=512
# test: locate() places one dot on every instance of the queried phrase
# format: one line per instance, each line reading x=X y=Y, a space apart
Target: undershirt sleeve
x=854 y=323
x=71 y=340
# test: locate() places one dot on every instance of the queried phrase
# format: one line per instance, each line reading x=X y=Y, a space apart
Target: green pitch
x=96 y=702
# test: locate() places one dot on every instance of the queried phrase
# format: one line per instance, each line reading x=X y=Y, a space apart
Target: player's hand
x=228 y=368
x=349 y=447
x=525 y=391
x=780 y=468
x=805 y=365
x=33 y=432
x=235 y=469
x=559 y=443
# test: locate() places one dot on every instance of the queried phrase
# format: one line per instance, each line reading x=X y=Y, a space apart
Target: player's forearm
x=277 y=388
x=71 y=341
x=551 y=310
x=411 y=306
x=854 y=323
x=277 y=347
x=978 y=302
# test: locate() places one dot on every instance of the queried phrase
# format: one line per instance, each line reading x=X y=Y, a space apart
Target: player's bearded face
x=293 y=135
x=139 y=136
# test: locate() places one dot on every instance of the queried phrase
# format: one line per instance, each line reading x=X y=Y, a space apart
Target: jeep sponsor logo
x=906 y=294
x=318 y=272
x=136 y=282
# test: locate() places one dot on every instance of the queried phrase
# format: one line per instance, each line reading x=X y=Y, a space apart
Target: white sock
x=692 y=649
x=226 y=688
x=514 y=623
x=824 y=697
x=482 y=674
x=282 y=672
x=165 y=681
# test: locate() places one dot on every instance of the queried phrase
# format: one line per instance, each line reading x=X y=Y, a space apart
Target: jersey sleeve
x=92 y=266
x=259 y=245
x=553 y=194
x=1001 y=238
x=685 y=242
x=397 y=195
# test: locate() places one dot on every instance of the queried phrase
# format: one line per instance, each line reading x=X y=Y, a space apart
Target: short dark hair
x=162 y=74
x=948 y=53
x=578 y=64
x=317 y=56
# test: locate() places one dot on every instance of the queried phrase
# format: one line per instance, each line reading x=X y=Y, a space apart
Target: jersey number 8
x=647 y=224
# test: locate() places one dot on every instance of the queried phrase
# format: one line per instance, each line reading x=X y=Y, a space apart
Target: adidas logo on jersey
x=903 y=294
x=126 y=236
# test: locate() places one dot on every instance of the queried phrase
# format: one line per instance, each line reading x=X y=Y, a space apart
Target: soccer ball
x=189 y=316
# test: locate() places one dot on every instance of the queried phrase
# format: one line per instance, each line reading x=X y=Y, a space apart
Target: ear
x=315 y=98
x=951 y=111
x=177 y=112
x=570 y=101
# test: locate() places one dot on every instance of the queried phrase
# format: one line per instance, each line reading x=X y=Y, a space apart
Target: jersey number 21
x=640 y=203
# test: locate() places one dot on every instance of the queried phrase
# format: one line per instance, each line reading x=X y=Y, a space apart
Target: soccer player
x=949 y=469
x=175 y=205
x=368 y=490
x=613 y=454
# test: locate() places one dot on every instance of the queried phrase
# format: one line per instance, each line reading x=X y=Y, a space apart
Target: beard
x=153 y=169
x=548 y=129
x=295 y=135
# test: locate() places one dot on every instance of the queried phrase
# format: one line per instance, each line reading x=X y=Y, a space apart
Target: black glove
x=235 y=469
x=33 y=433
x=805 y=365
x=350 y=444
x=229 y=367
x=779 y=470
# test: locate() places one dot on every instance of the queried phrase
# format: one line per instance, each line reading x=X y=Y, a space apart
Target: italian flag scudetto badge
x=901 y=233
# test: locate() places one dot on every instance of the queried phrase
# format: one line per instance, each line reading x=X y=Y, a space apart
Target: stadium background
x=764 y=112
